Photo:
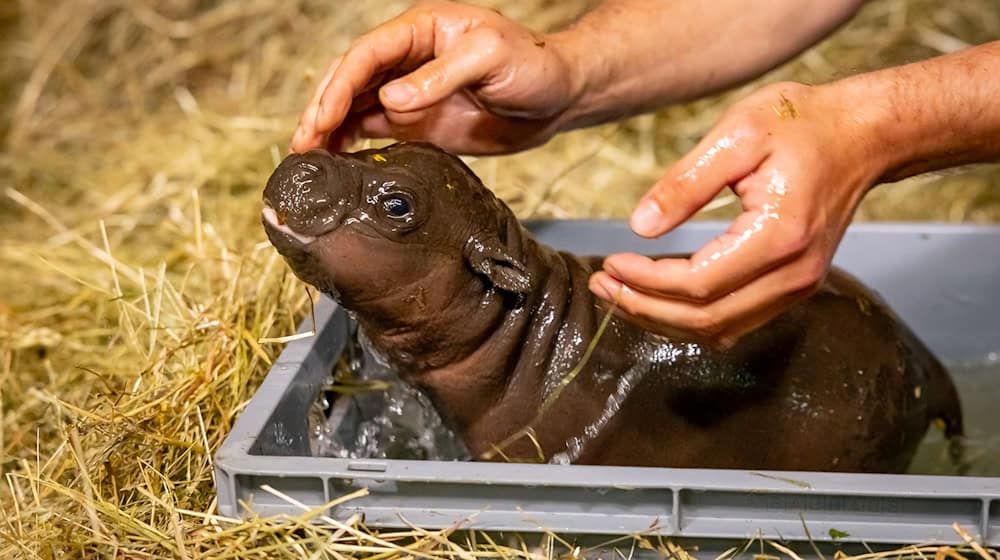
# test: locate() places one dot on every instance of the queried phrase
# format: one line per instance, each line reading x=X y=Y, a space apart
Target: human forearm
x=800 y=158
x=634 y=56
x=475 y=82
x=932 y=114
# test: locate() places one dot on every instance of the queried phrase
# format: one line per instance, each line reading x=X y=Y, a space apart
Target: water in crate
x=370 y=413
x=979 y=388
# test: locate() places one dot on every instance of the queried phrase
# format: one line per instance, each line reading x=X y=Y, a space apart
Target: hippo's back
x=836 y=383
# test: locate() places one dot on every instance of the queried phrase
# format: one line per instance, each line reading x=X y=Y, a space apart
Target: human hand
x=463 y=77
x=800 y=159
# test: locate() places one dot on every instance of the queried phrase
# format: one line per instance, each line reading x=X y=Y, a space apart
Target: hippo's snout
x=294 y=247
x=310 y=194
x=275 y=221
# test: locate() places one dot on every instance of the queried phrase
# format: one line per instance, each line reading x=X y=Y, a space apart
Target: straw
x=141 y=305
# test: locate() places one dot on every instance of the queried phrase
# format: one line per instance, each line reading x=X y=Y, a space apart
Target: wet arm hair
x=930 y=115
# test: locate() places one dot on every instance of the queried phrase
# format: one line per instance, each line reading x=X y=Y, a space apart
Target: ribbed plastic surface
x=942 y=279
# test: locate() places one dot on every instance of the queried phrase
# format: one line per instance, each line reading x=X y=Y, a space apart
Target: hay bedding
x=136 y=283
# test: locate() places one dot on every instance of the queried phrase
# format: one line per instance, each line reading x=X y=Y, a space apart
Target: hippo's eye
x=396 y=206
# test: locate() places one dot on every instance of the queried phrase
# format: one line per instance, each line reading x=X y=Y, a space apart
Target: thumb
x=471 y=59
x=722 y=158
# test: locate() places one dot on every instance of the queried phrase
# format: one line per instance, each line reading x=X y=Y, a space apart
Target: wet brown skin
x=465 y=304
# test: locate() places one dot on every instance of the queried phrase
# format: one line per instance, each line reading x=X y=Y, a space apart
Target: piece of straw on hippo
x=466 y=305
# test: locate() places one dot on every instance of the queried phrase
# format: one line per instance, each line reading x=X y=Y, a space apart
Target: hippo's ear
x=492 y=260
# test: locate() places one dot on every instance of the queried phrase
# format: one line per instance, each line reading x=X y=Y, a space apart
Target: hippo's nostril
x=311 y=193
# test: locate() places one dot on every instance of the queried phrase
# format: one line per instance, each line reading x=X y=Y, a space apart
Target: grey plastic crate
x=942 y=279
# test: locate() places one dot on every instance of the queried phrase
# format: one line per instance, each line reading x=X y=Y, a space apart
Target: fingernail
x=399 y=94
x=600 y=290
x=606 y=288
x=647 y=218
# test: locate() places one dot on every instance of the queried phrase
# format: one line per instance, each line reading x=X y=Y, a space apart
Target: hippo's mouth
x=274 y=220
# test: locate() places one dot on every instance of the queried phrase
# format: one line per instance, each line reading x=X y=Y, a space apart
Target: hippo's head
x=391 y=232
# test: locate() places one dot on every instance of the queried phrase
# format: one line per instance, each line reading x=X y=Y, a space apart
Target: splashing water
x=388 y=420
x=392 y=420
x=397 y=423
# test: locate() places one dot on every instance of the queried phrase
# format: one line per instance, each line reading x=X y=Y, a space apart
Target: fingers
x=756 y=243
x=403 y=41
x=306 y=137
x=797 y=196
x=371 y=123
x=722 y=322
x=771 y=231
x=717 y=161
x=473 y=58
x=325 y=80
x=771 y=256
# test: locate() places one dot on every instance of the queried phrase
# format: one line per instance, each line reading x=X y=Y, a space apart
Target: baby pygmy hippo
x=465 y=304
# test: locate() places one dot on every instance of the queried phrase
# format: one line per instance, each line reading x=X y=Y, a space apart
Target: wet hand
x=800 y=159
x=463 y=77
